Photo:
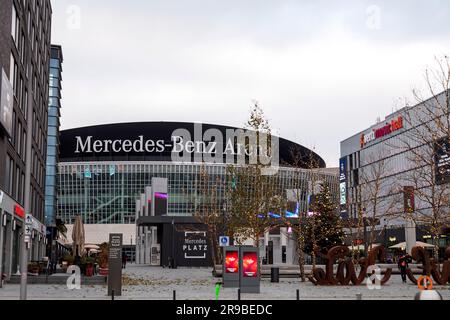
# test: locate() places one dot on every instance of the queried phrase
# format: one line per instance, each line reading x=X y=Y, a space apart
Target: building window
x=19 y=139
x=17 y=185
x=15 y=23
x=12 y=70
x=9 y=174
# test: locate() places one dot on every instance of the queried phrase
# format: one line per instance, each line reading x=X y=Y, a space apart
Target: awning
x=402 y=245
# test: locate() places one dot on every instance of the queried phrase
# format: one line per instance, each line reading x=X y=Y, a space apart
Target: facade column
x=410 y=235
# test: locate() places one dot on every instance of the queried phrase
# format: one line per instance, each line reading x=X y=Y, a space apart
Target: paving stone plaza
x=156 y=283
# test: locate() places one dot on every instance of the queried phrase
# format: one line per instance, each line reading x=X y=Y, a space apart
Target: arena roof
x=157 y=141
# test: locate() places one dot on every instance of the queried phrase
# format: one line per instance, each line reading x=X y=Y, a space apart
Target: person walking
x=403 y=266
x=124 y=261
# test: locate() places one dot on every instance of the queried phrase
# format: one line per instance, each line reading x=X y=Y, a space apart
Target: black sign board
x=442 y=160
x=193 y=248
x=115 y=264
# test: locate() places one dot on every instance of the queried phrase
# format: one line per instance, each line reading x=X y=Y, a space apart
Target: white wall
x=99 y=233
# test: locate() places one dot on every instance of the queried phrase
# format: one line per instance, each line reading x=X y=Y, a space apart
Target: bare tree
x=377 y=193
x=427 y=135
x=208 y=210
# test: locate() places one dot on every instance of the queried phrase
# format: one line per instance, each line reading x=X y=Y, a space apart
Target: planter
x=103 y=271
x=89 y=270
x=33 y=270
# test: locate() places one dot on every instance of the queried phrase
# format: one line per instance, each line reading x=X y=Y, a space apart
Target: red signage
x=250 y=264
x=232 y=262
x=19 y=211
x=393 y=126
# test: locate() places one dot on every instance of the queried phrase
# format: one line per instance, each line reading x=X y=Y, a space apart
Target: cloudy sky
x=321 y=70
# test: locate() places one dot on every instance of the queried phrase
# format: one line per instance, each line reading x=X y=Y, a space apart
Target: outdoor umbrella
x=402 y=245
x=91 y=247
x=78 y=236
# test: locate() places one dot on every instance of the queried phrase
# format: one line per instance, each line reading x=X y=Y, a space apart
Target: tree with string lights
x=323 y=224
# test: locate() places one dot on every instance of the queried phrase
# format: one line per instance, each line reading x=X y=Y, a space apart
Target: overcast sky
x=321 y=70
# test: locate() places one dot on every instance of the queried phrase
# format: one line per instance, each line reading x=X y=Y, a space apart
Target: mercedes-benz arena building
x=104 y=169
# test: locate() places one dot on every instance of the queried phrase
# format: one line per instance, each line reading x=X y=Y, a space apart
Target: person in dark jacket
x=403 y=266
x=124 y=261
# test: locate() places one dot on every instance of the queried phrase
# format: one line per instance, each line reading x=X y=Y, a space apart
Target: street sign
x=27 y=239
x=115 y=264
x=28 y=230
x=28 y=219
x=224 y=241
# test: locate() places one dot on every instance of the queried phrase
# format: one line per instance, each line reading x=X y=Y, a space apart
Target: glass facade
x=53 y=134
x=380 y=169
x=106 y=192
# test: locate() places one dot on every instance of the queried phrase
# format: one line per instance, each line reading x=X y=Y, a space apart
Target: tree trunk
x=436 y=248
x=314 y=244
x=301 y=261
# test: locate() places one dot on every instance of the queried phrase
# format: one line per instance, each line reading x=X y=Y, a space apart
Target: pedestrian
x=403 y=266
x=124 y=261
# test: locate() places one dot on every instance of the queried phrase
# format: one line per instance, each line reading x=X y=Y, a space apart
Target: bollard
x=239 y=294
x=274 y=274
x=174 y=295
x=218 y=286
x=112 y=295
x=298 y=294
x=359 y=296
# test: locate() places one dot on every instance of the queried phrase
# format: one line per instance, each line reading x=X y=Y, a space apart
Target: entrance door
x=16 y=250
x=3 y=249
x=270 y=253
x=155 y=255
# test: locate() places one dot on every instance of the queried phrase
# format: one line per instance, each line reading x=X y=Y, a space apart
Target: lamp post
x=173 y=244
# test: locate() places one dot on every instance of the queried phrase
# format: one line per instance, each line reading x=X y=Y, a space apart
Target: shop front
x=10 y=235
x=12 y=225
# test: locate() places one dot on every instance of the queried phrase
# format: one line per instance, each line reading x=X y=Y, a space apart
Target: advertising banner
x=6 y=103
x=343 y=180
x=231 y=267
x=442 y=161
x=250 y=264
x=232 y=262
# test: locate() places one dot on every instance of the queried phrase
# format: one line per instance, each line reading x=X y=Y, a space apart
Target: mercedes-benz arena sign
x=178 y=142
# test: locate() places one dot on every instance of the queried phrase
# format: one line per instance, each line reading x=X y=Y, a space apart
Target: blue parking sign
x=224 y=241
